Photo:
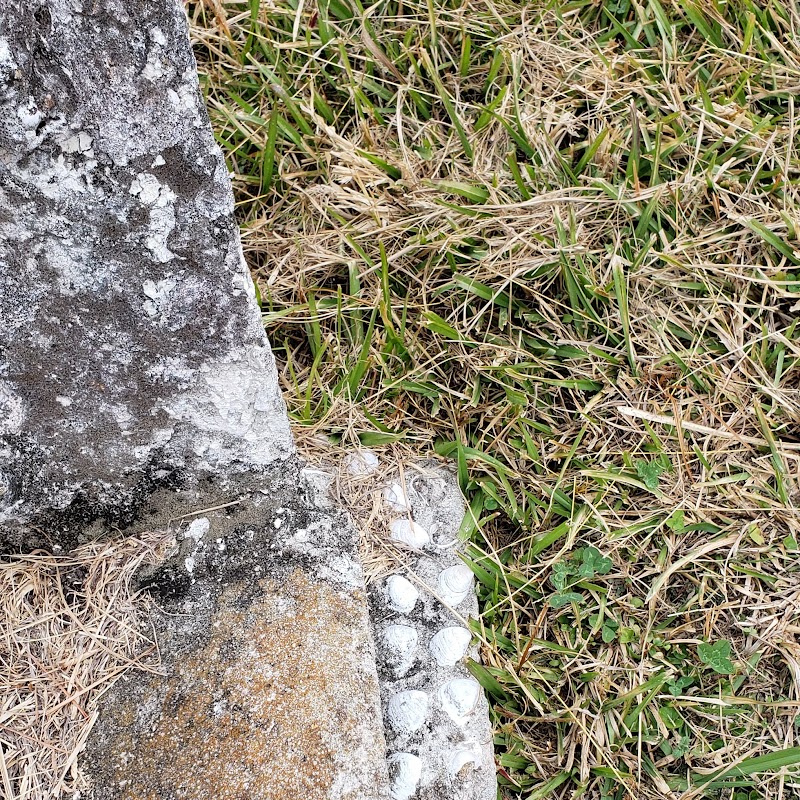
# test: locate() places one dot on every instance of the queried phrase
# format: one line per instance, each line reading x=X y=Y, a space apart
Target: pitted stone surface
x=269 y=689
x=437 y=724
x=132 y=354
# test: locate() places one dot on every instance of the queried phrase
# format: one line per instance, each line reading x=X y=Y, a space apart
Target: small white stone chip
x=361 y=463
x=409 y=533
x=401 y=643
x=405 y=771
x=407 y=711
x=395 y=495
x=403 y=595
x=449 y=646
x=467 y=753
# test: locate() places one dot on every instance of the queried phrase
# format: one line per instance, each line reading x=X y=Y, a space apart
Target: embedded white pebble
x=455 y=584
x=395 y=495
x=449 y=646
x=403 y=595
x=401 y=642
x=405 y=770
x=409 y=533
x=459 y=698
x=362 y=462
x=198 y=529
x=467 y=753
x=407 y=711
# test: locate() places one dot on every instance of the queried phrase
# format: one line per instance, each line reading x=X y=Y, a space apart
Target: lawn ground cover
x=557 y=245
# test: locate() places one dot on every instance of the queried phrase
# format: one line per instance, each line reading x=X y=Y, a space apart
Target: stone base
x=269 y=689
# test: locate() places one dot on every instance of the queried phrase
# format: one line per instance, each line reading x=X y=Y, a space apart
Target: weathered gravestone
x=138 y=391
x=136 y=385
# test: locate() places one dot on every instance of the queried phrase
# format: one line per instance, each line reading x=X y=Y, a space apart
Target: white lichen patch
x=160 y=199
x=7 y=63
x=59 y=178
x=184 y=101
x=449 y=646
x=12 y=410
x=409 y=533
x=197 y=529
x=235 y=411
x=407 y=711
x=80 y=142
x=403 y=595
x=157 y=295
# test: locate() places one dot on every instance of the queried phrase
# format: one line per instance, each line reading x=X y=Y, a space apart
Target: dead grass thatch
x=69 y=627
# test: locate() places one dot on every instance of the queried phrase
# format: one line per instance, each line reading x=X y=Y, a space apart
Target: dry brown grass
x=559 y=246
x=69 y=627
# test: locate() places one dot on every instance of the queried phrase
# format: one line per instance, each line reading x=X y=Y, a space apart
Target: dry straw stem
x=70 y=626
x=559 y=246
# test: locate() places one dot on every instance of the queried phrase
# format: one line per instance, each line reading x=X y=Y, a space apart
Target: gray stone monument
x=138 y=392
x=137 y=386
x=132 y=355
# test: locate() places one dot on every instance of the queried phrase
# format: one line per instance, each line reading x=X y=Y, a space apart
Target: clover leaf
x=594 y=563
x=561 y=573
x=562 y=599
x=717 y=656
x=649 y=472
x=677 y=686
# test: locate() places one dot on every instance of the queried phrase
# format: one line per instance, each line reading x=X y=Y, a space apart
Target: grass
x=70 y=625
x=558 y=245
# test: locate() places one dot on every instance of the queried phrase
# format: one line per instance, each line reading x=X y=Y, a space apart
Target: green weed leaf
x=717 y=656
x=649 y=472
x=608 y=633
x=676 y=521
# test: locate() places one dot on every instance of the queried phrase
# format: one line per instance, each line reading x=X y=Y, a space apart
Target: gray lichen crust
x=131 y=350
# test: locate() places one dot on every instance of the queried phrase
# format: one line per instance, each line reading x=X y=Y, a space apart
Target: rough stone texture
x=437 y=724
x=270 y=690
x=132 y=356
x=137 y=386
